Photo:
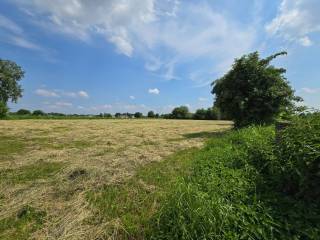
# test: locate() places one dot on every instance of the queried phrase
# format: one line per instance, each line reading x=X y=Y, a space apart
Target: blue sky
x=112 y=56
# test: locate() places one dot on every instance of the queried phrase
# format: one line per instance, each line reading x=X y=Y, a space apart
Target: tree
x=23 y=112
x=181 y=112
x=10 y=75
x=151 y=114
x=253 y=91
x=200 y=114
x=117 y=115
x=38 y=113
x=138 y=115
x=212 y=113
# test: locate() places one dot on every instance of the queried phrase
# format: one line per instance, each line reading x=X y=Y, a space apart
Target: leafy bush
x=138 y=115
x=3 y=109
x=181 y=112
x=23 y=112
x=38 y=113
x=253 y=91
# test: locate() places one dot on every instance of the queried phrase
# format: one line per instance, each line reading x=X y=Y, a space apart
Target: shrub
x=254 y=91
x=180 y=112
x=23 y=112
x=138 y=115
x=3 y=109
x=299 y=155
x=38 y=113
x=151 y=114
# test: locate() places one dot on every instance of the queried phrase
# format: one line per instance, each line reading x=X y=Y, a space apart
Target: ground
x=48 y=167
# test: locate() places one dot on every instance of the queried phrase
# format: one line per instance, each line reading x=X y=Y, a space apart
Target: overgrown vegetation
x=238 y=188
x=244 y=184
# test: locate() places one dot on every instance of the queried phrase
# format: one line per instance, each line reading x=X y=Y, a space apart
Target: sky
x=93 y=56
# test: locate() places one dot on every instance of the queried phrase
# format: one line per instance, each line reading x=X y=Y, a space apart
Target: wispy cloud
x=132 y=97
x=202 y=99
x=46 y=93
x=310 y=90
x=61 y=93
x=24 y=43
x=11 y=26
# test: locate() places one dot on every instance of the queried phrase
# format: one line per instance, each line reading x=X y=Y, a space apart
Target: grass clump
x=21 y=226
x=39 y=170
x=10 y=146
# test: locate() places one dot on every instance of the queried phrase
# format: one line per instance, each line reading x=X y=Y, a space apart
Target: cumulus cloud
x=154 y=91
x=164 y=33
x=132 y=97
x=46 y=93
x=83 y=94
x=296 y=19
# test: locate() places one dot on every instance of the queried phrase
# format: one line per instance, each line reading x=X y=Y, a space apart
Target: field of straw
x=48 y=166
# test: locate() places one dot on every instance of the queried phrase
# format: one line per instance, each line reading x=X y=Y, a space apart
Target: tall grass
x=235 y=189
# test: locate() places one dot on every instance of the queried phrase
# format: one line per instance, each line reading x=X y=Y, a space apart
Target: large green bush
x=253 y=91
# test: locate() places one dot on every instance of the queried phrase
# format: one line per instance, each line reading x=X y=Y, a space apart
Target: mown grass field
x=91 y=179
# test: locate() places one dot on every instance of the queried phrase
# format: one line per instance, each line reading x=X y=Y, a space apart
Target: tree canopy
x=10 y=75
x=181 y=112
x=151 y=114
x=253 y=91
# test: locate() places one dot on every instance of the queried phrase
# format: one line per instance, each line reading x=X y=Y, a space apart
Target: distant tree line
x=181 y=112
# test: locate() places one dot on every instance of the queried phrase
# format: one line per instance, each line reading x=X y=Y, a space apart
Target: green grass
x=130 y=205
x=233 y=193
x=21 y=226
x=227 y=190
x=10 y=146
x=39 y=170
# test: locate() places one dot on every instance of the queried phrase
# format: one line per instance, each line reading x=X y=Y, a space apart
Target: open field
x=48 y=168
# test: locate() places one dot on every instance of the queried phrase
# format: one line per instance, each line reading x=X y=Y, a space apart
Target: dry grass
x=51 y=164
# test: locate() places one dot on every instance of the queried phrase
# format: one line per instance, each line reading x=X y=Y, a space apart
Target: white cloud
x=46 y=93
x=59 y=93
x=165 y=34
x=296 y=19
x=305 y=41
x=15 y=35
x=83 y=94
x=154 y=91
x=310 y=90
x=132 y=97
x=24 y=43
x=8 y=24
